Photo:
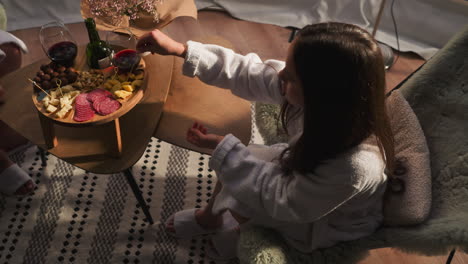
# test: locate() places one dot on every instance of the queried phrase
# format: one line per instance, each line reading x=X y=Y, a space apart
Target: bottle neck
x=92 y=32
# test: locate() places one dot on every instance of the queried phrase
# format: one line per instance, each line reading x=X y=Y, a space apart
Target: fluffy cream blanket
x=438 y=94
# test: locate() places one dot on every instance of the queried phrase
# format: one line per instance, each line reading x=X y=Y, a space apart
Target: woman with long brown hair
x=327 y=183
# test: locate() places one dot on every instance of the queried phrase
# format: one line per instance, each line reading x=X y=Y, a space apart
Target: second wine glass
x=124 y=56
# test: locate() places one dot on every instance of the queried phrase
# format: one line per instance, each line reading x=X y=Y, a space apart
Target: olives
x=52 y=74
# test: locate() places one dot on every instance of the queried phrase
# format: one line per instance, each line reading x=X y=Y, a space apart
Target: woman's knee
x=12 y=60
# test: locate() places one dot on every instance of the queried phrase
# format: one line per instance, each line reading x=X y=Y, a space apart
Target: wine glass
x=123 y=43
x=58 y=43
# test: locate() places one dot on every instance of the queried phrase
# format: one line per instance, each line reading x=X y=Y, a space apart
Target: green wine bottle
x=97 y=51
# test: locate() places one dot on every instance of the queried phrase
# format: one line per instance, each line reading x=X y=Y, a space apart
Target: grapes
x=61 y=69
x=46 y=85
x=49 y=71
x=40 y=74
x=46 y=77
x=64 y=81
x=54 y=82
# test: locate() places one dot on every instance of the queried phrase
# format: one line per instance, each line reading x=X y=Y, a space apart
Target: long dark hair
x=341 y=70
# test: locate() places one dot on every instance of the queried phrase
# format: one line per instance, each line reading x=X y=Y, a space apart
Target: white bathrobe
x=341 y=200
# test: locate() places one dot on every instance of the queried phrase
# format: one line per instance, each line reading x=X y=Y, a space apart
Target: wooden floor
x=270 y=42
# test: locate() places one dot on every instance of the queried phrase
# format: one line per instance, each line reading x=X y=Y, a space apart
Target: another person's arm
x=11 y=49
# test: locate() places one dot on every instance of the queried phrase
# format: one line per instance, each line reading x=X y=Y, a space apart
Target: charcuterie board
x=64 y=104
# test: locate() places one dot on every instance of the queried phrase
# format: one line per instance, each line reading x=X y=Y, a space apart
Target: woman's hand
x=198 y=136
x=160 y=43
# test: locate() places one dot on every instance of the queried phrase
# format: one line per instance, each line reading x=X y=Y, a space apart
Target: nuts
x=89 y=80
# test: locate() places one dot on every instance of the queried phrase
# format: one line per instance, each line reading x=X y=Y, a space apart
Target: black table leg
x=450 y=257
x=294 y=31
x=42 y=153
x=137 y=192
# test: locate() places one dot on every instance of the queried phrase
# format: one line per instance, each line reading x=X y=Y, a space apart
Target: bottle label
x=104 y=63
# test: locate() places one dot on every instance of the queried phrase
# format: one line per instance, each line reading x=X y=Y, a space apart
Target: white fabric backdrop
x=424 y=26
x=34 y=13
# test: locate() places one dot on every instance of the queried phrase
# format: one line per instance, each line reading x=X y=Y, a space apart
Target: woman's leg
x=207 y=219
x=9 y=138
x=12 y=60
x=205 y=216
x=5 y=162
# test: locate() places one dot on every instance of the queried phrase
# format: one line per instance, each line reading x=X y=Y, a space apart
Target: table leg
x=450 y=257
x=43 y=157
x=137 y=192
x=117 y=147
x=48 y=131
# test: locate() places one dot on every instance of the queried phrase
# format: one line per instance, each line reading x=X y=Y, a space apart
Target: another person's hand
x=198 y=136
x=160 y=43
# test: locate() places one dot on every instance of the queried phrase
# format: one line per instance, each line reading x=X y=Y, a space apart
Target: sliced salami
x=83 y=109
x=81 y=99
x=106 y=105
x=98 y=93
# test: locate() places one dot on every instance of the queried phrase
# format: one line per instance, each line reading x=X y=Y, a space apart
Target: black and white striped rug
x=80 y=217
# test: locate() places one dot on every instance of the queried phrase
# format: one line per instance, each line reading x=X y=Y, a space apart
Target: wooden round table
x=106 y=148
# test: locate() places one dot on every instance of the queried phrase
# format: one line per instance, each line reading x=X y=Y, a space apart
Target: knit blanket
x=438 y=94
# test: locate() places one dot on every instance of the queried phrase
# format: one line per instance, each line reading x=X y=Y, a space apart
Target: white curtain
x=34 y=13
x=424 y=26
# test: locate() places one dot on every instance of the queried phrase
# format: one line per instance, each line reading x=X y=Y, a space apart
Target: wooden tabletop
x=88 y=147
x=191 y=100
x=171 y=103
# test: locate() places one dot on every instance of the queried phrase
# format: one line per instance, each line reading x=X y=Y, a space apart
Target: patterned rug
x=79 y=217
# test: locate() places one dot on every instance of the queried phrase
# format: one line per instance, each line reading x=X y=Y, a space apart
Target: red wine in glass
x=63 y=53
x=126 y=60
